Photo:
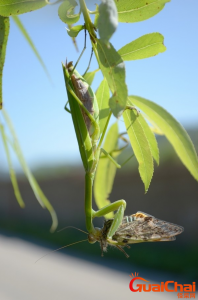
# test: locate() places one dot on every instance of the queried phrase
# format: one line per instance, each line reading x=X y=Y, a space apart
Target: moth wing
x=142 y=227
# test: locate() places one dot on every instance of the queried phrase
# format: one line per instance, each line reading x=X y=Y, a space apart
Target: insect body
x=86 y=95
x=85 y=114
x=137 y=228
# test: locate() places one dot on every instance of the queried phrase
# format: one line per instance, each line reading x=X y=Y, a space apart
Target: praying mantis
x=85 y=115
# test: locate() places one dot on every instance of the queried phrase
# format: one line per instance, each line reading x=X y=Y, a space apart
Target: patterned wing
x=141 y=227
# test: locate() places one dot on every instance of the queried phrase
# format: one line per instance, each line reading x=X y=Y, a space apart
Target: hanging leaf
x=108 y=20
x=136 y=11
x=4 y=31
x=140 y=144
x=150 y=138
x=102 y=96
x=146 y=46
x=174 y=132
x=11 y=169
x=17 y=7
x=113 y=69
x=66 y=12
x=42 y=199
x=106 y=171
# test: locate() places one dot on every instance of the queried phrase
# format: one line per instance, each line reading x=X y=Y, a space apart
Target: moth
x=136 y=228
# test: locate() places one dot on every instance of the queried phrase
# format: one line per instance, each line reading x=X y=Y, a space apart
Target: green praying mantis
x=85 y=116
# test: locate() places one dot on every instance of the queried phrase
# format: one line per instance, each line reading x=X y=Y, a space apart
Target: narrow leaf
x=66 y=12
x=136 y=11
x=174 y=132
x=29 y=40
x=4 y=31
x=11 y=169
x=140 y=144
x=146 y=46
x=102 y=96
x=107 y=20
x=34 y=185
x=150 y=138
x=113 y=68
x=106 y=171
x=17 y=7
x=89 y=76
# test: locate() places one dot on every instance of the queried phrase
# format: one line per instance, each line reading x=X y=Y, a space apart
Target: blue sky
x=35 y=105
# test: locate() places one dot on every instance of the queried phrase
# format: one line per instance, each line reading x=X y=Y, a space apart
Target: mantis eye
x=91 y=239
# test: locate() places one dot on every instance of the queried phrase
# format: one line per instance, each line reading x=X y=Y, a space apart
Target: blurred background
x=45 y=131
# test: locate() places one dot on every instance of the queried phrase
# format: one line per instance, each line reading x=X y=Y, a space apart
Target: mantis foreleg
x=111 y=158
x=120 y=206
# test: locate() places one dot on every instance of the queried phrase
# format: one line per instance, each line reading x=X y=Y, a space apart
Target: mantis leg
x=120 y=206
x=81 y=52
x=132 y=107
x=67 y=109
x=89 y=62
x=111 y=158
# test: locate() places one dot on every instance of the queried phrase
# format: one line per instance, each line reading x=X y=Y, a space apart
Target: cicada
x=136 y=228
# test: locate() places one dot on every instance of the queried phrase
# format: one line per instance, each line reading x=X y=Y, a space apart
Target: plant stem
x=88 y=23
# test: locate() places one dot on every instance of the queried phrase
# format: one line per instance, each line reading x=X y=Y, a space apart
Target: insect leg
x=67 y=109
x=111 y=158
x=81 y=52
x=122 y=250
x=89 y=63
x=120 y=206
x=132 y=107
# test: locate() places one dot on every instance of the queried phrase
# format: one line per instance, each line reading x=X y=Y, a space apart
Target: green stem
x=88 y=23
x=88 y=202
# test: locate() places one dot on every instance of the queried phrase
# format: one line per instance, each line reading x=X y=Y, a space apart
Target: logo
x=182 y=290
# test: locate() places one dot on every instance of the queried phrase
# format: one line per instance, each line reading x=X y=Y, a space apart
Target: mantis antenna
x=60 y=249
x=72 y=227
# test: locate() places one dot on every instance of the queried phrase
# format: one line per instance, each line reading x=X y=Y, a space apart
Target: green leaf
x=106 y=171
x=89 y=76
x=135 y=11
x=34 y=185
x=74 y=31
x=102 y=96
x=113 y=68
x=4 y=31
x=150 y=137
x=29 y=40
x=141 y=145
x=174 y=132
x=17 y=7
x=107 y=20
x=146 y=46
x=11 y=169
x=66 y=12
